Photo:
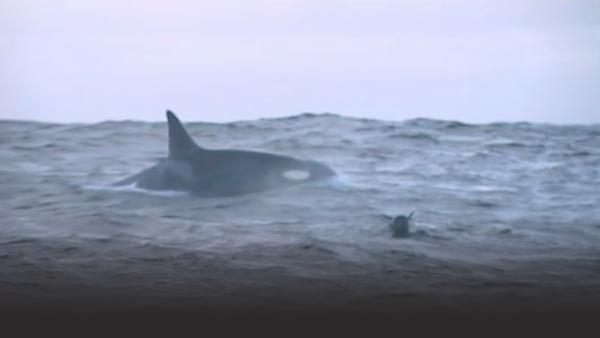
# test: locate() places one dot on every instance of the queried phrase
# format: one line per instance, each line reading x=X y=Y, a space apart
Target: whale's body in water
x=218 y=173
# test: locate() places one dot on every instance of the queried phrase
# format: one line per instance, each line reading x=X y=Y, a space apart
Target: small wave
x=32 y=167
x=503 y=142
x=34 y=147
x=415 y=136
x=462 y=138
x=476 y=188
x=440 y=124
x=305 y=115
x=456 y=125
x=339 y=183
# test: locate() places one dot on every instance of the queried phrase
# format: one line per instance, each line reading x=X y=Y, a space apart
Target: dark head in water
x=216 y=173
x=400 y=226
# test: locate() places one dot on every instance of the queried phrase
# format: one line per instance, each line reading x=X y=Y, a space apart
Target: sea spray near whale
x=220 y=173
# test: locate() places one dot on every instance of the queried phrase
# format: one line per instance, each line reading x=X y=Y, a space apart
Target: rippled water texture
x=487 y=199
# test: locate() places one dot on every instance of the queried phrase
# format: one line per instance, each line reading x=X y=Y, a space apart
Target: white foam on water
x=491 y=188
x=478 y=188
x=134 y=188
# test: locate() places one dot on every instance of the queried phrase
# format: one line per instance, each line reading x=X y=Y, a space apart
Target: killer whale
x=221 y=172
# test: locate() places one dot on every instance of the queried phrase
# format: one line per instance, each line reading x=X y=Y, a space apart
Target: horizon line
x=303 y=114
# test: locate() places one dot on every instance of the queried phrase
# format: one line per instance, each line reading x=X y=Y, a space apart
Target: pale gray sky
x=468 y=60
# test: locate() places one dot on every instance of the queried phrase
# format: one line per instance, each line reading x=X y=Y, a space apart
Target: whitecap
x=134 y=188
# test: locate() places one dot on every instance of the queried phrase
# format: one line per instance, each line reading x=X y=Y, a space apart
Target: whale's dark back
x=212 y=173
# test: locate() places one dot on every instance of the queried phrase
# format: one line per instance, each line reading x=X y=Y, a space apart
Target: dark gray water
x=489 y=200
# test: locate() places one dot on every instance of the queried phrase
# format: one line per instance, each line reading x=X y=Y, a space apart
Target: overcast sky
x=225 y=60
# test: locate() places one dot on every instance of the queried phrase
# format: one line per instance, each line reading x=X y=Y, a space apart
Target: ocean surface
x=500 y=207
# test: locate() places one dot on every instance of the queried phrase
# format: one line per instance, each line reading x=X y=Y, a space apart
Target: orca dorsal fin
x=180 y=141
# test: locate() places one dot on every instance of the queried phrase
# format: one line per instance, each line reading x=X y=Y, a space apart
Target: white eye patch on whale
x=227 y=172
